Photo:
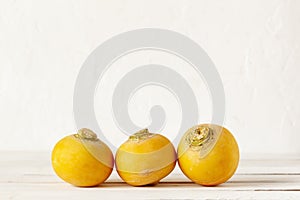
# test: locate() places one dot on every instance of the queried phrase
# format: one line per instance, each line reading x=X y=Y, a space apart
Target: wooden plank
x=238 y=182
x=108 y=191
x=28 y=175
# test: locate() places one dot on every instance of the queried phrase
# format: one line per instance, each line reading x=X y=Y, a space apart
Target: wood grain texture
x=28 y=175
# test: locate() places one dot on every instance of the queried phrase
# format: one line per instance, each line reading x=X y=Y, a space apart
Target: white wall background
x=254 y=45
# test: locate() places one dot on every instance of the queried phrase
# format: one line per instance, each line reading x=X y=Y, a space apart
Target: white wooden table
x=28 y=175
